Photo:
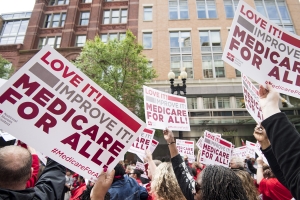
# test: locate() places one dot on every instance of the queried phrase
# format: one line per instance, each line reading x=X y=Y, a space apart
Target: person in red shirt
x=76 y=192
x=269 y=186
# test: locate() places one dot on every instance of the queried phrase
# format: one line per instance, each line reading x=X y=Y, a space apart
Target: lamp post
x=178 y=88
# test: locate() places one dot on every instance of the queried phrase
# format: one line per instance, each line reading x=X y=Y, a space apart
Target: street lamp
x=178 y=88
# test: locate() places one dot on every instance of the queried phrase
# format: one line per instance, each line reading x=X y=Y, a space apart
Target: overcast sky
x=9 y=6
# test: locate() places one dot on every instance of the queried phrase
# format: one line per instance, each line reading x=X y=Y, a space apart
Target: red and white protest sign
x=152 y=147
x=66 y=115
x=163 y=110
x=141 y=166
x=240 y=152
x=251 y=148
x=264 y=51
x=142 y=142
x=215 y=150
x=186 y=147
x=251 y=99
x=199 y=142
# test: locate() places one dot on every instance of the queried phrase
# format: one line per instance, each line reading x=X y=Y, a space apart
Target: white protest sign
x=152 y=147
x=240 y=152
x=186 y=147
x=251 y=99
x=199 y=143
x=142 y=142
x=260 y=153
x=6 y=136
x=163 y=110
x=141 y=166
x=251 y=148
x=67 y=116
x=215 y=150
x=263 y=51
x=42 y=157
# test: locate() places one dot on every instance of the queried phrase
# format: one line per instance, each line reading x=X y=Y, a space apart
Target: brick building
x=191 y=34
x=66 y=25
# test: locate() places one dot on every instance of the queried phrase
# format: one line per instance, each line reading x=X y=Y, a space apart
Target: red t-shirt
x=272 y=189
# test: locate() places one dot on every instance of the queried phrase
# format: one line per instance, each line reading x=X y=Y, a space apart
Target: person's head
x=119 y=172
x=15 y=167
x=164 y=183
x=128 y=169
x=80 y=179
x=218 y=183
x=237 y=163
x=68 y=172
x=267 y=171
x=248 y=184
x=196 y=165
x=136 y=173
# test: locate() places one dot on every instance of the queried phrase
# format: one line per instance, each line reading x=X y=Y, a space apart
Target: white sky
x=9 y=6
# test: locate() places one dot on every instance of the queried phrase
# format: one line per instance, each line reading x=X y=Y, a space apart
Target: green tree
x=119 y=67
x=6 y=68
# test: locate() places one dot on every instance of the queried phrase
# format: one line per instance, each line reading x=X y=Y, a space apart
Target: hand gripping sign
x=186 y=147
x=165 y=110
x=263 y=51
x=215 y=150
x=66 y=115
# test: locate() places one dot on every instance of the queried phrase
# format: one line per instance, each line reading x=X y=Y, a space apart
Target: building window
x=147 y=40
x=115 y=16
x=51 y=41
x=211 y=51
x=223 y=102
x=80 y=40
x=276 y=11
x=230 y=7
x=178 y=9
x=112 y=36
x=55 y=20
x=84 y=18
x=181 y=53
x=238 y=73
x=147 y=13
x=86 y=1
x=13 y=32
x=192 y=103
x=150 y=64
x=206 y=9
x=240 y=102
x=209 y=103
x=58 y=2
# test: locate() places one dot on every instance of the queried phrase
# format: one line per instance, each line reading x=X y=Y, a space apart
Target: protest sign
x=251 y=99
x=151 y=148
x=251 y=148
x=142 y=142
x=199 y=143
x=186 y=147
x=240 y=152
x=215 y=150
x=263 y=51
x=141 y=166
x=163 y=110
x=55 y=108
x=6 y=136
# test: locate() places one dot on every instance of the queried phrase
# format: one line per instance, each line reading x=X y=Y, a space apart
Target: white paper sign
x=6 y=136
x=215 y=150
x=186 y=147
x=251 y=148
x=152 y=147
x=199 y=143
x=142 y=142
x=240 y=152
x=164 y=110
x=56 y=109
x=263 y=51
x=251 y=99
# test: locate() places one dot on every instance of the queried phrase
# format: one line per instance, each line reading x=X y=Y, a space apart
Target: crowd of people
x=22 y=177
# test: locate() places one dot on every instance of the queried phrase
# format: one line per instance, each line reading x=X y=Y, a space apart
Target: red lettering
x=116 y=148
x=47 y=121
x=44 y=57
x=72 y=140
x=34 y=110
x=92 y=132
x=43 y=94
x=75 y=121
x=7 y=95
x=83 y=152
x=105 y=139
x=62 y=107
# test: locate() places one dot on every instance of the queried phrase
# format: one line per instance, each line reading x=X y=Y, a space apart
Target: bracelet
x=259 y=166
x=171 y=143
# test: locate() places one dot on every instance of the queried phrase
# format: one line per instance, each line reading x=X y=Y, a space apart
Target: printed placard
x=199 y=143
x=152 y=147
x=251 y=99
x=186 y=147
x=251 y=146
x=143 y=142
x=263 y=51
x=164 y=110
x=66 y=115
x=215 y=150
x=141 y=166
x=240 y=152
x=6 y=136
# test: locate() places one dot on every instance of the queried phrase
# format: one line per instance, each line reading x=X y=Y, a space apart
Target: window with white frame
x=84 y=18
x=148 y=13
x=58 y=2
x=216 y=102
x=55 y=20
x=181 y=53
x=178 y=9
x=209 y=103
x=206 y=9
x=230 y=7
x=51 y=41
x=192 y=103
x=223 y=102
x=13 y=32
x=147 y=40
x=150 y=64
x=80 y=40
x=275 y=10
x=240 y=102
x=86 y=1
x=238 y=73
x=211 y=52
x=115 y=16
x=111 y=36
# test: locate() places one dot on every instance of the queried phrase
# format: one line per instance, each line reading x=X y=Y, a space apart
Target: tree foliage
x=119 y=68
x=6 y=68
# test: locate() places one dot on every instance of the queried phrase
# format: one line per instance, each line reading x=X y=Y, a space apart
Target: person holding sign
x=284 y=139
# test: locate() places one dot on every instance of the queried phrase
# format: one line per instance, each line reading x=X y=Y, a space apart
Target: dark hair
x=138 y=172
x=119 y=172
x=87 y=192
x=14 y=172
x=194 y=172
x=219 y=183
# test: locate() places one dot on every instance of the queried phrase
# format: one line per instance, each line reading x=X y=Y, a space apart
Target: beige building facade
x=191 y=35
